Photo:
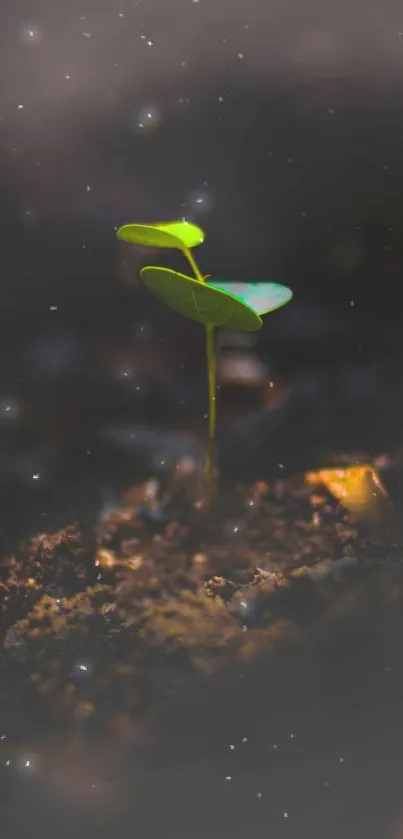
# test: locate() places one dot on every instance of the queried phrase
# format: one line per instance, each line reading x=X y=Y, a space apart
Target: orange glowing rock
x=358 y=488
x=105 y=558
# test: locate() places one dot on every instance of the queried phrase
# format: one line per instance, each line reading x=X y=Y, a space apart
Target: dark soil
x=169 y=603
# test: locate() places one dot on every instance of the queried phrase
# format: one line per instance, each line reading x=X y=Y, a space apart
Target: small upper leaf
x=170 y=234
x=262 y=297
x=199 y=301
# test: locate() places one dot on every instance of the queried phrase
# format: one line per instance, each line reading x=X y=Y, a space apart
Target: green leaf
x=261 y=297
x=199 y=301
x=170 y=234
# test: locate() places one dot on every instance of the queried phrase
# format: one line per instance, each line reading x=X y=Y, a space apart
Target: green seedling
x=214 y=303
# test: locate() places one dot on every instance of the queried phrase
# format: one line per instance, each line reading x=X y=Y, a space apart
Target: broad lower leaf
x=199 y=301
x=262 y=297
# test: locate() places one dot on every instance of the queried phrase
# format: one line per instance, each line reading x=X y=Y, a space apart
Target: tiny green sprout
x=214 y=303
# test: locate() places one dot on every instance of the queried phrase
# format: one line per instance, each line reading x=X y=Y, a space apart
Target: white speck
x=281 y=465
x=82 y=667
x=67 y=76
x=228 y=777
x=53 y=308
x=240 y=55
x=9 y=409
x=36 y=476
x=243 y=604
x=27 y=763
x=341 y=759
x=8 y=762
x=86 y=35
x=3 y=736
x=258 y=795
x=221 y=99
x=232 y=747
x=88 y=188
x=20 y=107
x=244 y=739
x=285 y=814
x=31 y=34
x=150 y=43
x=275 y=746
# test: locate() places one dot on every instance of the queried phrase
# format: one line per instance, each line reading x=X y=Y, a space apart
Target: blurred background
x=279 y=130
